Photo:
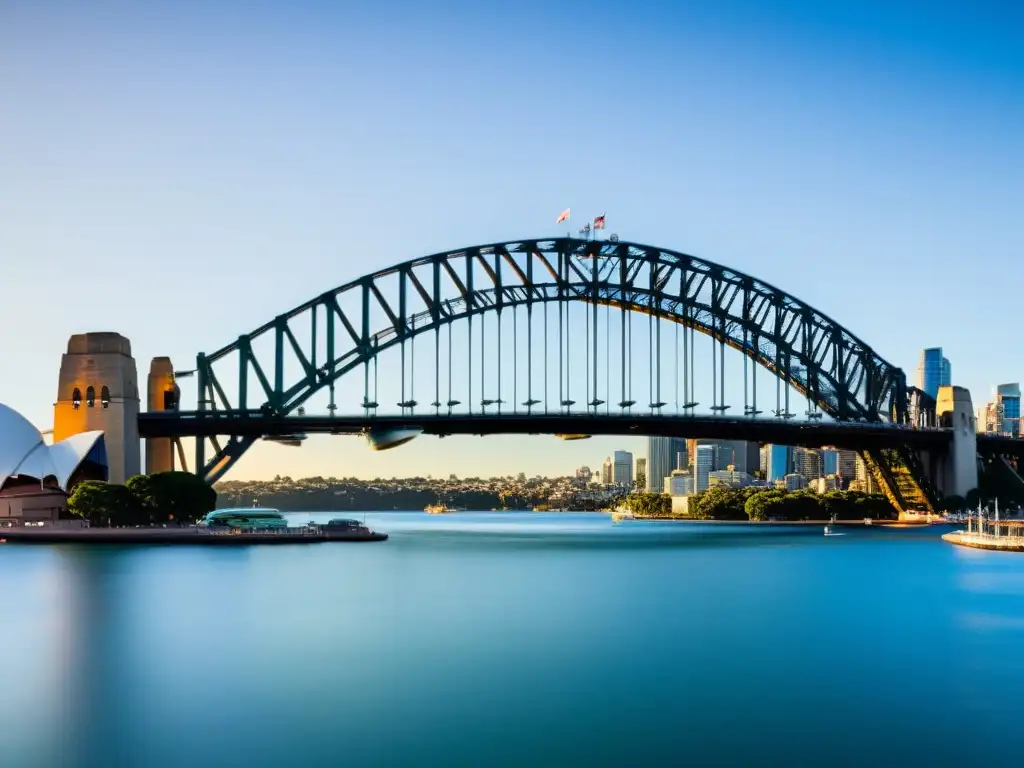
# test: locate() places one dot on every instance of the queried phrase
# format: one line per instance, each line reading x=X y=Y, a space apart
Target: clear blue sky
x=182 y=172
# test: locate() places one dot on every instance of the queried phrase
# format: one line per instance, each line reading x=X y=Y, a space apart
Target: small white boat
x=830 y=531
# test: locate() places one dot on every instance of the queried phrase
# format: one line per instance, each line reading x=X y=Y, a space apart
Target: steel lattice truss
x=342 y=329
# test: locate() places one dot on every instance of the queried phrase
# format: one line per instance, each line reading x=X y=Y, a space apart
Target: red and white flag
x=599 y=222
x=563 y=216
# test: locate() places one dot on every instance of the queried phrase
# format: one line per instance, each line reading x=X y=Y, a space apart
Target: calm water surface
x=516 y=639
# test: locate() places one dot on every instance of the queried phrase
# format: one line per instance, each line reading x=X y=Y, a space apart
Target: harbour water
x=516 y=639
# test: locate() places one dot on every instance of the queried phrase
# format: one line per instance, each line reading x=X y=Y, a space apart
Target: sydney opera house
x=35 y=478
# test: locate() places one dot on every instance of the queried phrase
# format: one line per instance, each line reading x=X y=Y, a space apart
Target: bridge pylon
x=162 y=395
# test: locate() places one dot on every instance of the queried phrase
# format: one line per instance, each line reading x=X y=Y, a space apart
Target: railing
x=303 y=530
x=987 y=539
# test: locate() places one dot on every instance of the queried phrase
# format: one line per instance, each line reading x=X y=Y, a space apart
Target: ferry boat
x=245 y=519
x=346 y=529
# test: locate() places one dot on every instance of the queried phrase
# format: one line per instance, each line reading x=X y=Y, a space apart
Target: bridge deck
x=850 y=435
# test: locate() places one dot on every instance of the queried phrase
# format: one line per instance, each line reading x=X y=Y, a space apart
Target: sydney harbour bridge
x=572 y=337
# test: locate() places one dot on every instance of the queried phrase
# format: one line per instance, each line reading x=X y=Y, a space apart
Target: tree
x=105 y=504
x=641 y=481
x=173 y=497
x=719 y=503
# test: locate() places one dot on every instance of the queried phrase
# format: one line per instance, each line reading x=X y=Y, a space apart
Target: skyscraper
x=846 y=464
x=661 y=460
x=1002 y=415
x=703 y=465
x=933 y=371
x=829 y=463
x=779 y=461
x=606 y=471
x=641 y=469
x=807 y=463
x=622 y=469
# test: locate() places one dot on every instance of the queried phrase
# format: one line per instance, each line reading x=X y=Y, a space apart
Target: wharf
x=985 y=541
x=180 y=536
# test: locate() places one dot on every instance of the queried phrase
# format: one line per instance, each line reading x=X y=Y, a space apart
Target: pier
x=992 y=534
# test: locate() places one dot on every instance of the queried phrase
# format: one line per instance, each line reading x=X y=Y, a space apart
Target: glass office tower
x=933 y=371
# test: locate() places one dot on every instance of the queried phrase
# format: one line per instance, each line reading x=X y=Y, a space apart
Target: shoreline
x=175 y=537
x=815 y=523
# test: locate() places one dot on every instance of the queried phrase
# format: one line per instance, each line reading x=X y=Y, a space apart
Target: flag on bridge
x=563 y=216
x=599 y=222
x=585 y=231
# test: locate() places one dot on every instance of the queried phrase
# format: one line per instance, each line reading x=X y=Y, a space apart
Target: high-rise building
x=933 y=371
x=829 y=462
x=779 y=461
x=846 y=464
x=764 y=461
x=622 y=469
x=641 y=470
x=807 y=462
x=662 y=457
x=738 y=454
x=606 y=471
x=1008 y=404
x=864 y=479
x=703 y=465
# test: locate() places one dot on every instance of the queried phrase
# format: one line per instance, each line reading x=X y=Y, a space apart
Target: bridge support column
x=954 y=410
x=162 y=394
x=98 y=390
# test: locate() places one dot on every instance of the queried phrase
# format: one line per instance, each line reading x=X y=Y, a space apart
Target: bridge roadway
x=847 y=435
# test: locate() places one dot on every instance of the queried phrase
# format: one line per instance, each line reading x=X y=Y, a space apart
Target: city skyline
x=183 y=227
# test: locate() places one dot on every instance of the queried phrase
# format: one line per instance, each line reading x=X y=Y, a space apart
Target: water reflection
x=515 y=640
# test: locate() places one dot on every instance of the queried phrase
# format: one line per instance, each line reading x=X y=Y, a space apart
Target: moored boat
x=345 y=529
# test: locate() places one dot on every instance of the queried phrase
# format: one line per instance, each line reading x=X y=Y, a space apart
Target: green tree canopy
x=105 y=504
x=173 y=496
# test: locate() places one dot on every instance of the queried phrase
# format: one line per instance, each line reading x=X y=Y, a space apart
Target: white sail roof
x=68 y=454
x=18 y=438
x=23 y=452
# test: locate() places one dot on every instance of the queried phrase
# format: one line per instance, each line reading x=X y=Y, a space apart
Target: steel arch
x=803 y=346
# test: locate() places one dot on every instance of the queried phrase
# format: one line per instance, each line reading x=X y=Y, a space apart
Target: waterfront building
x=622 y=469
x=779 y=462
x=679 y=483
x=933 y=371
x=606 y=471
x=807 y=462
x=702 y=467
x=731 y=478
x=35 y=478
x=663 y=455
x=794 y=482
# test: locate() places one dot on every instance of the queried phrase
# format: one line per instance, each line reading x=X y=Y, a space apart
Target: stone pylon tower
x=162 y=394
x=99 y=389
